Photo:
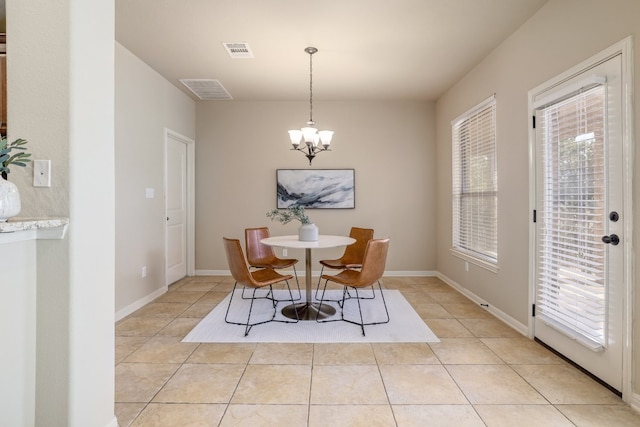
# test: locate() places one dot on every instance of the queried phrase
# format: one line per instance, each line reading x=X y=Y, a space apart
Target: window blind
x=571 y=294
x=474 y=183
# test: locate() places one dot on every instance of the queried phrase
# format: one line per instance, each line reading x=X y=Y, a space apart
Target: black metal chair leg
x=319 y=280
x=360 y=311
x=362 y=323
x=291 y=299
x=295 y=274
x=322 y=301
x=248 y=325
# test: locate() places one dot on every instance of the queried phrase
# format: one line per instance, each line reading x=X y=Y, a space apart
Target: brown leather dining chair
x=373 y=265
x=255 y=280
x=352 y=256
x=260 y=255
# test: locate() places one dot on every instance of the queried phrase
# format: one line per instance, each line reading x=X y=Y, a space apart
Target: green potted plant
x=308 y=232
x=9 y=195
x=7 y=159
x=285 y=216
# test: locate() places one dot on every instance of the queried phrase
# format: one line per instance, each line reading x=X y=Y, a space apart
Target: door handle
x=613 y=239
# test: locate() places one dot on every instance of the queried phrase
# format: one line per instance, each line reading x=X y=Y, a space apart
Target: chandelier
x=314 y=141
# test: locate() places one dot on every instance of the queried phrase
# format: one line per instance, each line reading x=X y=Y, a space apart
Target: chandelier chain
x=310 y=87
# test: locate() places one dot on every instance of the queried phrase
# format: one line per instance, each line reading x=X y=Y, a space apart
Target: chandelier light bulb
x=325 y=137
x=309 y=134
x=296 y=136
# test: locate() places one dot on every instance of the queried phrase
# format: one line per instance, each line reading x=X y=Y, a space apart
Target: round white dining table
x=308 y=310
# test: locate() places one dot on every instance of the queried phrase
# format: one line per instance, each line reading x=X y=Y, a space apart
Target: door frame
x=625 y=49
x=190 y=216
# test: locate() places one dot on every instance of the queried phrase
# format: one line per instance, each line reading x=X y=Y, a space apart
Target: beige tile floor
x=482 y=373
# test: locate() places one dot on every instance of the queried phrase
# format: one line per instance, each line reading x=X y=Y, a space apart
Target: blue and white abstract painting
x=316 y=188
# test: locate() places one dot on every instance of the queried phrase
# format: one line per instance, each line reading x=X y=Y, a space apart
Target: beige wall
x=60 y=98
x=18 y=331
x=389 y=144
x=38 y=109
x=562 y=34
x=146 y=105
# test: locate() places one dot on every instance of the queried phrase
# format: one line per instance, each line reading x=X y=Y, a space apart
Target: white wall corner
x=519 y=327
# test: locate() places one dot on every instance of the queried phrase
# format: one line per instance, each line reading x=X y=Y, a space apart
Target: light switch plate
x=42 y=173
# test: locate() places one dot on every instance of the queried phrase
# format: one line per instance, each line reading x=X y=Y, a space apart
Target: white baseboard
x=113 y=422
x=519 y=327
x=317 y=273
x=410 y=273
x=213 y=273
x=634 y=402
x=121 y=314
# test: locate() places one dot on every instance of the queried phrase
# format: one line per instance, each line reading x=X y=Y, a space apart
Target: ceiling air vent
x=238 y=50
x=206 y=89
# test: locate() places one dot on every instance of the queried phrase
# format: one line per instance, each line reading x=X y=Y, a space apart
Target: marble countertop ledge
x=23 y=224
x=17 y=229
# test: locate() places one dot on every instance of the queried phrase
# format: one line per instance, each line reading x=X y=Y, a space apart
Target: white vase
x=9 y=200
x=308 y=233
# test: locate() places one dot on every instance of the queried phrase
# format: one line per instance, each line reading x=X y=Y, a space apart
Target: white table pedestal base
x=308 y=311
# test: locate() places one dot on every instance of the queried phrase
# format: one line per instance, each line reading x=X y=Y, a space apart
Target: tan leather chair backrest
x=354 y=254
x=257 y=253
x=237 y=262
x=373 y=265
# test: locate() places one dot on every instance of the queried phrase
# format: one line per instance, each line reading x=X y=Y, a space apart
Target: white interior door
x=579 y=212
x=176 y=209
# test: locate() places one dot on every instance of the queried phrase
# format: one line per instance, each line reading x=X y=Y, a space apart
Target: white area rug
x=404 y=326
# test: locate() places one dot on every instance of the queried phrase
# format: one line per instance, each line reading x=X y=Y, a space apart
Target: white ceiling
x=368 y=49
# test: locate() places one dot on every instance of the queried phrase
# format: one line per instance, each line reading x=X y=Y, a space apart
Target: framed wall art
x=316 y=188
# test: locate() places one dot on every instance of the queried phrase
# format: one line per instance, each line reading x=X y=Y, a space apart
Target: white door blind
x=475 y=197
x=571 y=292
